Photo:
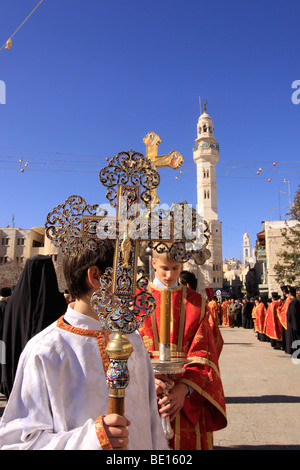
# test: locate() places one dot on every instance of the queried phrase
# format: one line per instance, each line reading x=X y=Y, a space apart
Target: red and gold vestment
x=260 y=316
x=273 y=327
x=282 y=311
x=194 y=336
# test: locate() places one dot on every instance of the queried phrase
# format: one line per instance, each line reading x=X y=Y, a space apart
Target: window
x=36 y=243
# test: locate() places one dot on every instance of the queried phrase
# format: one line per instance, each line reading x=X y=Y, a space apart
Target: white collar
x=158 y=283
x=79 y=320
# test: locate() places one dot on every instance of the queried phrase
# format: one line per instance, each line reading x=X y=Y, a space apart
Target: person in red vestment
x=214 y=308
x=273 y=327
x=282 y=312
x=260 y=317
x=225 y=313
x=196 y=403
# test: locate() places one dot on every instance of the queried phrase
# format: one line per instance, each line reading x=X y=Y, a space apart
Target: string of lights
x=47 y=161
x=39 y=164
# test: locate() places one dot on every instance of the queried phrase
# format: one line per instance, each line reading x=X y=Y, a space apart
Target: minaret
x=246 y=249
x=206 y=156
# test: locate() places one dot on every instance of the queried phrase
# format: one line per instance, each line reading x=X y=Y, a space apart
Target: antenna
x=200 y=104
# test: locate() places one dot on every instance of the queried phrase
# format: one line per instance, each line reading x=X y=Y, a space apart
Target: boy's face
x=166 y=271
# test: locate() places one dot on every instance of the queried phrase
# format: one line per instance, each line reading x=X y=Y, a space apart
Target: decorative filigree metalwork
x=186 y=233
x=122 y=313
x=129 y=168
x=64 y=225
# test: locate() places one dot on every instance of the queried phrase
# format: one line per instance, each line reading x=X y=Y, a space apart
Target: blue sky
x=86 y=79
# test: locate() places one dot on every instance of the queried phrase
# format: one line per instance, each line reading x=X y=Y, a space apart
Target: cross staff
x=173 y=160
x=74 y=226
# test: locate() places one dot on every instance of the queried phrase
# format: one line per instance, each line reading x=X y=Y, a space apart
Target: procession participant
x=282 y=312
x=253 y=313
x=5 y=294
x=260 y=316
x=214 y=308
x=293 y=322
x=247 y=308
x=187 y=278
x=225 y=313
x=60 y=395
x=196 y=403
x=35 y=303
x=273 y=327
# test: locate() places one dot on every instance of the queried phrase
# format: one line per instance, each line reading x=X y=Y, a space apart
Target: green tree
x=287 y=269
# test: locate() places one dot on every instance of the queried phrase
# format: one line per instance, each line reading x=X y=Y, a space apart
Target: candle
x=164 y=330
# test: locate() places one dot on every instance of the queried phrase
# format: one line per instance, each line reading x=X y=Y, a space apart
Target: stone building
x=269 y=244
x=18 y=244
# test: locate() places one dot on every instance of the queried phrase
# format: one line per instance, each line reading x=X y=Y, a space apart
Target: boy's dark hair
x=75 y=268
x=187 y=277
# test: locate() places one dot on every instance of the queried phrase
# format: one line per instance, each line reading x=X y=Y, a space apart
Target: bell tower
x=206 y=156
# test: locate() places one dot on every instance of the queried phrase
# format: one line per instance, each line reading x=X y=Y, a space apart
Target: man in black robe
x=247 y=314
x=293 y=323
x=5 y=294
x=34 y=304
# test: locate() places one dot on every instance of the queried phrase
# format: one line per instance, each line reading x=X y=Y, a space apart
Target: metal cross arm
x=173 y=159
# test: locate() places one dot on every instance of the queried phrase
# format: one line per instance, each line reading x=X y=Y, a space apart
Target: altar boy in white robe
x=60 y=396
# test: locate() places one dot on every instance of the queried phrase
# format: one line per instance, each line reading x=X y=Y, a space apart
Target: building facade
x=18 y=244
x=269 y=245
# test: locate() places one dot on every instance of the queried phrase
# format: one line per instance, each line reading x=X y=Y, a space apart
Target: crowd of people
x=274 y=319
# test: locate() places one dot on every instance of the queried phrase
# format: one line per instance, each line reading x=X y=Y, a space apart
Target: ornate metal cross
x=75 y=225
x=173 y=160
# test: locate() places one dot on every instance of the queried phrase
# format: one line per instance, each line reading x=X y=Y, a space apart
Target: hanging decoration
x=8 y=43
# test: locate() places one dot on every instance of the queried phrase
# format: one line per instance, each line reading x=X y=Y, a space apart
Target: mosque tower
x=206 y=156
x=246 y=249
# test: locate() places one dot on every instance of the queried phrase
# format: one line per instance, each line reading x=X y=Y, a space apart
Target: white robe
x=60 y=390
